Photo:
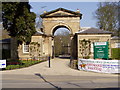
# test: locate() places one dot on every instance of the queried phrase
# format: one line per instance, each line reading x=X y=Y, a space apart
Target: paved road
x=60 y=75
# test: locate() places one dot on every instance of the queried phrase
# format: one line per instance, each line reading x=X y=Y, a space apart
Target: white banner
x=100 y=43
x=2 y=63
x=102 y=66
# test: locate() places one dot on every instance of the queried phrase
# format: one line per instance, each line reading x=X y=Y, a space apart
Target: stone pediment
x=61 y=12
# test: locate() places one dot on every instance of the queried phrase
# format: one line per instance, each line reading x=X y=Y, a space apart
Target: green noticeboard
x=101 y=50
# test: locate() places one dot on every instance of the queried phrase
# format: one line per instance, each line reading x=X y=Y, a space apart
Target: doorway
x=62 y=43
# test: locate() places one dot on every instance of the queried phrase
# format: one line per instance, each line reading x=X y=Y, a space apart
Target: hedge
x=15 y=64
x=115 y=53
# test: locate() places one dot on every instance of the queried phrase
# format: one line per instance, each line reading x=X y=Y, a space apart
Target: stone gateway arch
x=55 y=19
x=43 y=39
x=61 y=17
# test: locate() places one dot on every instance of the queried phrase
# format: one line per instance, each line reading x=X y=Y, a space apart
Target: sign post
x=101 y=50
x=2 y=63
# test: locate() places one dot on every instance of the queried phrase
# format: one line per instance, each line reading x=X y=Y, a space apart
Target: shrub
x=14 y=64
x=115 y=53
x=12 y=67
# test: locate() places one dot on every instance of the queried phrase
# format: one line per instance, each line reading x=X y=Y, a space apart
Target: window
x=25 y=48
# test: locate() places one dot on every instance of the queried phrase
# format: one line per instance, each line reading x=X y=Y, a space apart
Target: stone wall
x=94 y=38
x=113 y=42
x=22 y=55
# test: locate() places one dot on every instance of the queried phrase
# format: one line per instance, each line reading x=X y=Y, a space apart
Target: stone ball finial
x=45 y=11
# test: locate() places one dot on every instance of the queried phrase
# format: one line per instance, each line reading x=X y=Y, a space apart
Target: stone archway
x=61 y=41
x=59 y=26
x=59 y=18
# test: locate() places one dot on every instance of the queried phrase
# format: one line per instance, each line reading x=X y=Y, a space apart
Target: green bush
x=22 y=64
x=115 y=53
x=12 y=67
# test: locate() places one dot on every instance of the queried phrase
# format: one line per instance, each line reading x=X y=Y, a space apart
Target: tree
x=107 y=16
x=118 y=19
x=0 y=12
x=18 y=20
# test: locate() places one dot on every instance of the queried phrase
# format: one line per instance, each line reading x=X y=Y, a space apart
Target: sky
x=87 y=9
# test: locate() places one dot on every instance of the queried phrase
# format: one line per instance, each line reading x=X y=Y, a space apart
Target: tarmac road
x=59 y=76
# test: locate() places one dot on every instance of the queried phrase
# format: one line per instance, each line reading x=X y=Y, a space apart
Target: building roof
x=85 y=28
x=38 y=33
x=74 y=14
x=115 y=38
x=93 y=31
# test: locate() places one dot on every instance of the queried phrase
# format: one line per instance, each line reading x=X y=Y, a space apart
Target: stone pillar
x=53 y=48
x=49 y=45
x=109 y=47
x=74 y=47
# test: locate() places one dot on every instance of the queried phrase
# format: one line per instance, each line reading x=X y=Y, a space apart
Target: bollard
x=49 y=61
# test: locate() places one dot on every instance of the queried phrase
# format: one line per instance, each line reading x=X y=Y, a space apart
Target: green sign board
x=101 y=50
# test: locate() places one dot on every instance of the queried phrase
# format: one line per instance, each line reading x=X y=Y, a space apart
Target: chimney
x=78 y=11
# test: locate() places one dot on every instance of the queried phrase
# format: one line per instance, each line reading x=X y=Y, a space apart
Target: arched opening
x=62 y=42
x=61 y=26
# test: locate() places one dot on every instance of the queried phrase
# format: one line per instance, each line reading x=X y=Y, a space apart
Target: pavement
x=58 y=76
x=58 y=67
